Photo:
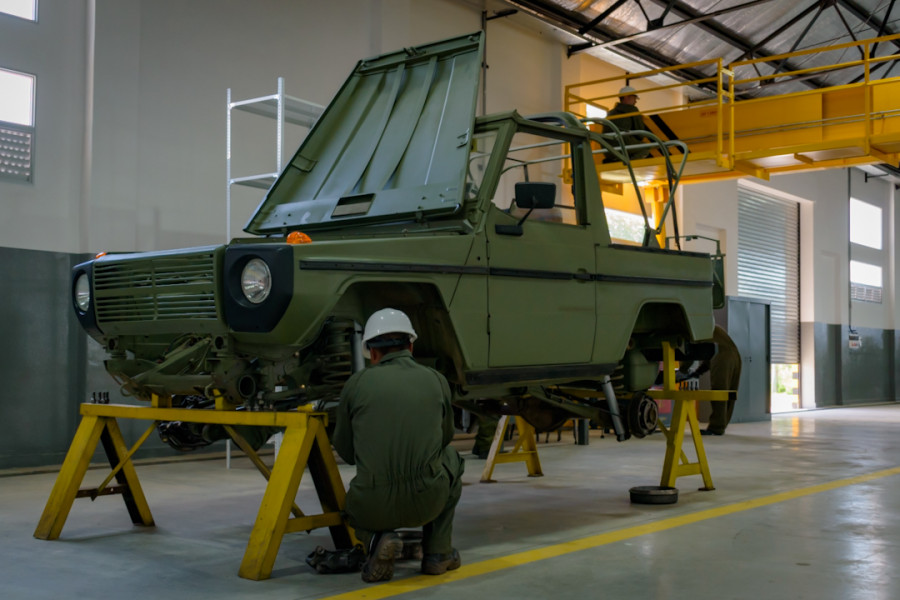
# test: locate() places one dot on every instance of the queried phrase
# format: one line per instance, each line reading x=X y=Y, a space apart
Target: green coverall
x=395 y=423
x=625 y=124
x=724 y=374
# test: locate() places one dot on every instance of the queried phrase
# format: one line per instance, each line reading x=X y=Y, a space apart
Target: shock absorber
x=336 y=360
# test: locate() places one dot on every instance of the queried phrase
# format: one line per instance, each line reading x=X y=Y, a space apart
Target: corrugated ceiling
x=659 y=33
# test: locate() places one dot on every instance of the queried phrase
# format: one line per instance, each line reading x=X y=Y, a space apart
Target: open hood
x=392 y=145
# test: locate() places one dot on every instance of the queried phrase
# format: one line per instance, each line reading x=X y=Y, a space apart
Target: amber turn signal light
x=298 y=237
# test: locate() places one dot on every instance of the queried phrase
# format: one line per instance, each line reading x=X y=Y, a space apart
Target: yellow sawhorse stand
x=684 y=412
x=525 y=449
x=305 y=444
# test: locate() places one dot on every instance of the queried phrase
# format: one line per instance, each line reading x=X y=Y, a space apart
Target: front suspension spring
x=336 y=360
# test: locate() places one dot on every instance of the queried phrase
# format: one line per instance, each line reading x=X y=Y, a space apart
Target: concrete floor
x=804 y=507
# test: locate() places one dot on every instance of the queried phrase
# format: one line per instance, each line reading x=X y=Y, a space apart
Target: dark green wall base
x=48 y=365
x=847 y=376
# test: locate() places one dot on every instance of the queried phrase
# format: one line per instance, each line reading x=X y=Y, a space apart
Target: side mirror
x=535 y=194
x=530 y=195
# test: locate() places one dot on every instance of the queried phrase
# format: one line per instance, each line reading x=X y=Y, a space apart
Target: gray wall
x=832 y=374
x=42 y=357
x=847 y=376
x=48 y=365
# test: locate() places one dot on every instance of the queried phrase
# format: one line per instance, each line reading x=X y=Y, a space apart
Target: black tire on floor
x=653 y=494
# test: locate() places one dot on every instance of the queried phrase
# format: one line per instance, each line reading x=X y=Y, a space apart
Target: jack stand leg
x=75 y=465
x=272 y=520
x=330 y=488
x=257 y=461
x=499 y=436
x=91 y=430
x=132 y=493
x=525 y=449
x=684 y=412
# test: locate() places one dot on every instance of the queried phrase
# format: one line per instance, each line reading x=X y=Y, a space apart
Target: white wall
x=878 y=192
x=151 y=173
x=711 y=208
x=45 y=214
x=163 y=67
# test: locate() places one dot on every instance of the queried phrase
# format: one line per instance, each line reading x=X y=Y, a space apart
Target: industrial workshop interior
x=223 y=220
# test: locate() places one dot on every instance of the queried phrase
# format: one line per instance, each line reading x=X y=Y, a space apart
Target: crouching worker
x=395 y=423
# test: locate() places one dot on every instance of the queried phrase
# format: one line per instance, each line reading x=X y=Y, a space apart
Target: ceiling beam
x=733 y=39
x=571 y=22
x=690 y=21
x=587 y=27
x=870 y=19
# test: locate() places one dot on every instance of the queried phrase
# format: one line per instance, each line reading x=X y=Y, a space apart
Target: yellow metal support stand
x=305 y=444
x=684 y=412
x=525 y=449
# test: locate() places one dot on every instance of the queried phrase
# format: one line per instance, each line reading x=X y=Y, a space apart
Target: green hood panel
x=392 y=145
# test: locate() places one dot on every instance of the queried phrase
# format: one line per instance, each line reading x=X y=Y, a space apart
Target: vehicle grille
x=156 y=288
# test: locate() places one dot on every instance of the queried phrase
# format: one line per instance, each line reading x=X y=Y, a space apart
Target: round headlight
x=256 y=280
x=83 y=292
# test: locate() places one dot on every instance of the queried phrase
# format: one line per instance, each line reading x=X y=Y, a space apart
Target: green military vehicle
x=489 y=232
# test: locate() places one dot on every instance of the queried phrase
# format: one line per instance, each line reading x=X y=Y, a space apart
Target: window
x=16 y=124
x=532 y=157
x=25 y=9
x=865 y=282
x=625 y=226
x=865 y=224
x=16 y=98
x=865 y=230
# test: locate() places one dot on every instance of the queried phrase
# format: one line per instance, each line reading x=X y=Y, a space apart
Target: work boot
x=438 y=564
x=379 y=565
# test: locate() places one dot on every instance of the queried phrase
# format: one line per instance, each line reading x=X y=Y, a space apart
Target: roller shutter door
x=769 y=265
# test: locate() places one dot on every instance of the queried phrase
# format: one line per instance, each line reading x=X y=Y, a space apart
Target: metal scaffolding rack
x=278 y=106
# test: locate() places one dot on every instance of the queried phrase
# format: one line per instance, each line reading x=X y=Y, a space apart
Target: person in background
x=395 y=423
x=625 y=115
x=487 y=427
x=724 y=374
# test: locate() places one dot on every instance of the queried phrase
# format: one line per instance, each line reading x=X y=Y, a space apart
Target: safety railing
x=727 y=123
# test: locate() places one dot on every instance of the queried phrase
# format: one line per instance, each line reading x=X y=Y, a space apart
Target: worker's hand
x=691 y=384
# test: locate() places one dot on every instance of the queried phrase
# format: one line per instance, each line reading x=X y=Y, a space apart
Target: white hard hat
x=387 y=320
x=628 y=91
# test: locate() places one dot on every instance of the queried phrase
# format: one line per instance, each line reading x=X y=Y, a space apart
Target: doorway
x=769 y=269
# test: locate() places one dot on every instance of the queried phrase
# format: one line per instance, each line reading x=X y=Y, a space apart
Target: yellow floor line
x=411 y=584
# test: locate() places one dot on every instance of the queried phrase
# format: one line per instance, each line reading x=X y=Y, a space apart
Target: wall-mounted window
x=16 y=125
x=24 y=9
x=865 y=224
x=865 y=282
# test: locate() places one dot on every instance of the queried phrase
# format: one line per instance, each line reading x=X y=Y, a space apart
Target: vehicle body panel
x=408 y=201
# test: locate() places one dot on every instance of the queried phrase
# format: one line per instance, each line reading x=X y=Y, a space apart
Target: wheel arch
x=437 y=345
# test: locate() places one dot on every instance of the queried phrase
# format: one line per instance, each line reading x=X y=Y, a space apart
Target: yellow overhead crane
x=730 y=137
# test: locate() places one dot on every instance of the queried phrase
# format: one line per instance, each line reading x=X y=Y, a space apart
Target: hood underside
x=392 y=145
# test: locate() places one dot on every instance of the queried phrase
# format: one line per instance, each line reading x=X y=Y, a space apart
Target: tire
x=653 y=494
